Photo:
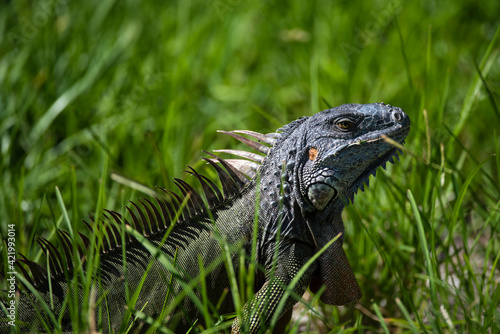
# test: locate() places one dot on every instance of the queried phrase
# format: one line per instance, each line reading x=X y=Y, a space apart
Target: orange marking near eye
x=313 y=153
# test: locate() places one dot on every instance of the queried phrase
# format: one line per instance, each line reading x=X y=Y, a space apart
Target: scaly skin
x=313 y=169
x=327 y=157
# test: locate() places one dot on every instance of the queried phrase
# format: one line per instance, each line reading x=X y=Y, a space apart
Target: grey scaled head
x=345 y=146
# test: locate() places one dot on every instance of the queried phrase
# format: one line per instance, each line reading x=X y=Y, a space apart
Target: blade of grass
x=429 y=265
x=380 y=318
x=407 y=316
x=485 y=66
x=65 y=213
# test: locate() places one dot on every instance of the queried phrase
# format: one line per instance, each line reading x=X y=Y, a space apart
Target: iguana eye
x=345 y=124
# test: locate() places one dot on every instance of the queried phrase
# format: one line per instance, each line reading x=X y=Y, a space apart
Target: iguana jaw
x=363 y=178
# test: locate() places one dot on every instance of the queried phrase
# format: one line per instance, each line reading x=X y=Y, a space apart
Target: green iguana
x=273 y=213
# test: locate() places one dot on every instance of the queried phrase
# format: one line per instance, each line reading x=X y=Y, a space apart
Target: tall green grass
x=93 y=88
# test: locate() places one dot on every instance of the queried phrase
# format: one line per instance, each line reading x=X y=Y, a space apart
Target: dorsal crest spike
x=244 y=154
x=255 y=145
x=214 y=187
x=67 y=247
x=144 y=220
x=85 y=240
x=166 y=210
x=247 y=167
x=171 y=203
x=165 y=213
x=137 y=225
x=24 y=272
x=119 y=220
x=207 y=189
x=152 y=218
x=109 y=232
x=51 y=260
x=193 y=194
x=228 y=186
x=238 y=177
x=257 y=135
x=55 y=262
x=188 y=197
x=102 y=227
x=177 y=204
x=112 y=221
x=87 y=224
x=160 y=223
x=37 y=271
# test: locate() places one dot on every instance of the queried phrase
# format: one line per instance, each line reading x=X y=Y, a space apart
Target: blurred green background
x=140 y=88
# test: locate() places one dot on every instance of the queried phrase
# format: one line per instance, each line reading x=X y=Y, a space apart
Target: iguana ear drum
x=320 y=194
x=313 y=152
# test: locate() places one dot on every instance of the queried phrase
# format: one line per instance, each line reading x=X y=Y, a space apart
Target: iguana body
x=313 y=167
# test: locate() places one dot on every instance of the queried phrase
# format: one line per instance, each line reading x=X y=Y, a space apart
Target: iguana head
x=344 y=146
